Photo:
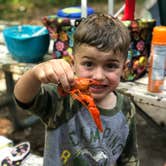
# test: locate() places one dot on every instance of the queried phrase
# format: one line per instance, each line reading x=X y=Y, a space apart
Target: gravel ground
x=151 y=140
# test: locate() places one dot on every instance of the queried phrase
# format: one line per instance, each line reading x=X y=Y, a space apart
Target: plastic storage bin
x=139 y=49
x=61 y=28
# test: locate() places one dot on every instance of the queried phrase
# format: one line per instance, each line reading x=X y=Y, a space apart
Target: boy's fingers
x=45 y=73
x=69 y=72
x=41 y=76
x=64 y=72
x=51 y=74
x=55 y=71
x=61 y=73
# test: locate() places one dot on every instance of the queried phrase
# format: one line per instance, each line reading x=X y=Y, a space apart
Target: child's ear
x=124 y=67
x=71 y=60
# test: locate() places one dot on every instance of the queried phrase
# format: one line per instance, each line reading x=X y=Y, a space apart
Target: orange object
x=159 y=35
x=6 y=127
x=80 y=92
x=157 y=60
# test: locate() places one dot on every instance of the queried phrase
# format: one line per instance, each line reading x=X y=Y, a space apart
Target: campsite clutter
x=61 y=27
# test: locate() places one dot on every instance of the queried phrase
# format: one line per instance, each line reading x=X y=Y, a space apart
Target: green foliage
x=20 y=9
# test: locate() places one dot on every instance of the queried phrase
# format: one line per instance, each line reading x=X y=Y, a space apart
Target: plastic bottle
x=157 y=60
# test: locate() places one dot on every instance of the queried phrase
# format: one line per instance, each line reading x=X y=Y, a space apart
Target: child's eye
x=88 y=64
x=112 y=66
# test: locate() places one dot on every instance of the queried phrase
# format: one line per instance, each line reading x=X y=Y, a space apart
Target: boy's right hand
x=56 y=71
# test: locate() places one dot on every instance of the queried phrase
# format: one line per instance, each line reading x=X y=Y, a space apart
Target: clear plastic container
x=157 y=60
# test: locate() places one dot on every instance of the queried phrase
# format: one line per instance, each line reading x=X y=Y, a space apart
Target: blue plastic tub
x=23 y=46
x=73 y=12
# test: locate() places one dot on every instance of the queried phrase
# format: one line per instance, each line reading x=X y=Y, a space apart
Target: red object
x=80 y=92
x=129 y=10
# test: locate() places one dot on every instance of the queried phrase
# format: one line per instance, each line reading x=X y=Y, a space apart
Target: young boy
x=72 y=138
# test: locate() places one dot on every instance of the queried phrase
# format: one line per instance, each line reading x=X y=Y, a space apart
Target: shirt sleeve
x=129 y=156
x=47 y=105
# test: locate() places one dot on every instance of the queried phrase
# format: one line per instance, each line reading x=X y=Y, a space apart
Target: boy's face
x=105 y=67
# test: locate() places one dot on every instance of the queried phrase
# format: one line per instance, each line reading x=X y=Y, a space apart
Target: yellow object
x=71 y=10
x=142 y=61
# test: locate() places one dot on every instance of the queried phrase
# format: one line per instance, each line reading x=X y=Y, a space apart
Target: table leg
x=11 y=105
x=18 y=124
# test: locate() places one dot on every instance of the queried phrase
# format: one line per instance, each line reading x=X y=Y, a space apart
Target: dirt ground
x=151 y=140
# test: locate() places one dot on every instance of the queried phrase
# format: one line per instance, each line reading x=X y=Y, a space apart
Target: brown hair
x=103 y=32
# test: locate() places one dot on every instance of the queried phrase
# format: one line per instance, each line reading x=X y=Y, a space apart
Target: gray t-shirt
x=78 y=142
x=72 y=137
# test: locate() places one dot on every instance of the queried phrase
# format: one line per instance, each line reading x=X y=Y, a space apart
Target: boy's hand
x=56 y=71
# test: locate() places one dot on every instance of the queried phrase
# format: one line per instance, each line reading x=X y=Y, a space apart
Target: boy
x=72 y=138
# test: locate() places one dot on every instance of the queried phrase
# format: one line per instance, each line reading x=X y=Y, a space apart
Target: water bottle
x=157 y=61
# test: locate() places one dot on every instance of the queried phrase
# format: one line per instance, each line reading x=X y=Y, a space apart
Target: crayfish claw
x=80 y=92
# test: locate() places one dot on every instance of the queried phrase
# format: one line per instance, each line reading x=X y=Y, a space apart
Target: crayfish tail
x=100 y=127
x=99 y=124
x=95 y=113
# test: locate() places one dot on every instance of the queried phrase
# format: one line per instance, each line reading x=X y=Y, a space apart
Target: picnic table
x=151 y=106
x=11 y=67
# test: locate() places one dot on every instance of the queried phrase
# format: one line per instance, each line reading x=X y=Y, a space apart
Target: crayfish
x=80 y=92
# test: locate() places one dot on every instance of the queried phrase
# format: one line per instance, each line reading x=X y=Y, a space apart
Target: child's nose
x=98 y=74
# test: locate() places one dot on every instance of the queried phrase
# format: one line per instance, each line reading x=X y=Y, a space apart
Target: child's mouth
x=97 y=88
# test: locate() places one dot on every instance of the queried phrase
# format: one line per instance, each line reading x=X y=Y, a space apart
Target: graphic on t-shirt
x=78 y=142
x=87 y=146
